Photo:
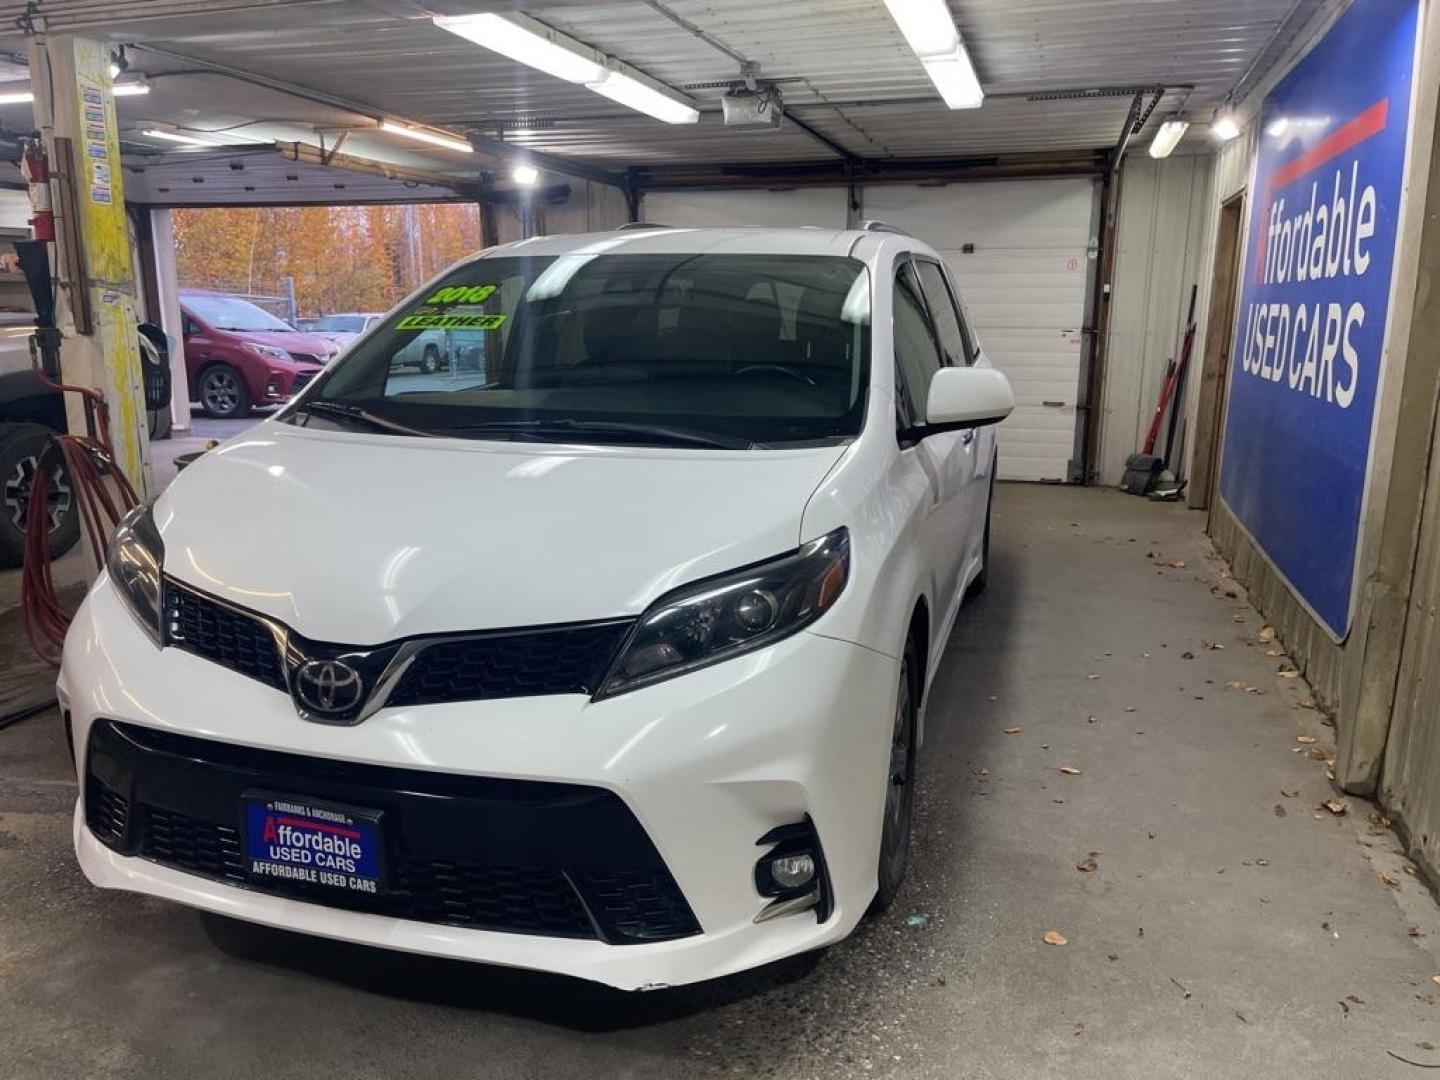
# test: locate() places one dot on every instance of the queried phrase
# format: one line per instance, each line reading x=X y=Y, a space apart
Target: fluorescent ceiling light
x=536 y=45
x=934 y=38
x=175 y=136
x=525 y=175
x=954 y=76
x=125 y=89
x=1166 y=139
x=642 y=97
x=1224 y=127
x=926 y=24
x=528 y=42
x=449 y=142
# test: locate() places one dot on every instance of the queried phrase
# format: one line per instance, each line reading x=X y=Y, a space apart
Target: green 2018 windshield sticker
x=433 y=314
x=461 y=294
x=450 y=322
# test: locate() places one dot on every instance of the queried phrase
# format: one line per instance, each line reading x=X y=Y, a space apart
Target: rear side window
x=949 y=322
x=917 y=353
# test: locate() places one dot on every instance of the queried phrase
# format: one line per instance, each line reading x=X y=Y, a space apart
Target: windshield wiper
x=566 y=426
x=353 y=414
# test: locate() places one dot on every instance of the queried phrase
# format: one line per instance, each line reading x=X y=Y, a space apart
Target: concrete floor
x=1230 y=928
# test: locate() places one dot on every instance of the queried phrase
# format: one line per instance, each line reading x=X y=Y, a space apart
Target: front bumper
x=705 y=765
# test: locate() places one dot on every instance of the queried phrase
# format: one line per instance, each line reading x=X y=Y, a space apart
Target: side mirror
x=967 y=397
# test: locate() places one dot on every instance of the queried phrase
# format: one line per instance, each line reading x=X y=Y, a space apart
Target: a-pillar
x=96 y=302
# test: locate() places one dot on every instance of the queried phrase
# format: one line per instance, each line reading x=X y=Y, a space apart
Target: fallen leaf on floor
x=1267 y=633
x=1394 y=883
x=1253 y=690
x=1279 y=810
x=1307 y=739
x=1089 y=719
x=1354 y=1000
x=1290 y=794
x=1435 y=978
x=1344 y=1007
x=1180 y=565
x=1262 y=862
x=1013 y=730
x=1241 y=1017
x=1079 y=1029
x=1055 y=937
x=1088 y=865
x=1129 y=708
x=1288 y=673
x=982 y=771
x=1237 y=618
x=1335 y=806
x=1236 y=684
x=1187 y=655
x=1319 y=753
x=1092 y=676
x=1306 y=703
x=939 y=978
x=1414 y=931
x=1274 y=652
x=1426 y=1045
x=1069 y=770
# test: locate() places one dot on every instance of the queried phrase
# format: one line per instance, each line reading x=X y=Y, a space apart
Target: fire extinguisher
x=35 y=167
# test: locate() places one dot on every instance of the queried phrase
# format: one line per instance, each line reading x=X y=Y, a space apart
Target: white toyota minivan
x=604 y=654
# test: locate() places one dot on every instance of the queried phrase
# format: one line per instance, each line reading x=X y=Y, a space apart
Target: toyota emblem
x=328 y=687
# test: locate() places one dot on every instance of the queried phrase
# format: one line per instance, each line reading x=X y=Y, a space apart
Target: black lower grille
x=560 y=860
x=301 y=380
x=220 y=633
x=565 y=660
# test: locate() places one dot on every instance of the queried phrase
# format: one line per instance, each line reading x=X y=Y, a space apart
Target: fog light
x=792 y=871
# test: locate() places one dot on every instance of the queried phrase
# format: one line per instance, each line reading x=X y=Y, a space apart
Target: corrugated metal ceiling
x=846 y=69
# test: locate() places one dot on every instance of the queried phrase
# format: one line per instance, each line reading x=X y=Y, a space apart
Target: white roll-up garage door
x=1021 y=251
x=779 y=209
x=1025 y=285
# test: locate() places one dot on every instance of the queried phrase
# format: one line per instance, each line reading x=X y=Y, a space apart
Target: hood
x=337 y=337
x=297 y=342
x=358 y=539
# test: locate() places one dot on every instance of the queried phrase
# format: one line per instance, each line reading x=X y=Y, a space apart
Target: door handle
x=967 y=436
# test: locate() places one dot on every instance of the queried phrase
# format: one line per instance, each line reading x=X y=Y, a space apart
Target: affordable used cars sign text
x=1310 y=327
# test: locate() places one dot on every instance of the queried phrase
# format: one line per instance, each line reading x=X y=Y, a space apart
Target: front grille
x=305 y=358
x=561 y=661
x=568 y=659
x=527 y=857
x=220 y=633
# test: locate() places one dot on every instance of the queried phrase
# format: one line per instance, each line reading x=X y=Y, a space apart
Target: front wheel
x=223 y=394
x=899 y=783
x=22 y=449
x=430 y=360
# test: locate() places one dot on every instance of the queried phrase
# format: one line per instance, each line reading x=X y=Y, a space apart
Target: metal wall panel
x=1164 y=208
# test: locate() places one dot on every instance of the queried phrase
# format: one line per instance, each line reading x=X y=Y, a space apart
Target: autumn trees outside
x=342 y=258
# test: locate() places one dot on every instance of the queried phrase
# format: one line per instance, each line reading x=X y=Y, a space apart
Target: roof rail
x=630 y=225
x=871 y=225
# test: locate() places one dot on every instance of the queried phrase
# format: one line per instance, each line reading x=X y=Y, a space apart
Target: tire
x=430 y=360
x=160 y=424
x=977 y=586
x=899 y=784
x=222 y=393
x=20 y=449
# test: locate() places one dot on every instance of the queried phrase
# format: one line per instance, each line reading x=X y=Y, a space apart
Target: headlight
x=721 y=617
x=133 y=560
x=269 y=350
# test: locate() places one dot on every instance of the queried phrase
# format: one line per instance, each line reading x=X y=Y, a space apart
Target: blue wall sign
x=1310 y=327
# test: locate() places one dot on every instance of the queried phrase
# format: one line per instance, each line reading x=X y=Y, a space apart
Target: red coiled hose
x=90 y=462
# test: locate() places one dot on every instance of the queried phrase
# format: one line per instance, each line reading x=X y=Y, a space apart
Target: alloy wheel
x=17 y=493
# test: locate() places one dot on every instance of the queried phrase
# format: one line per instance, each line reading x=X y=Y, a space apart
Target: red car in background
x=239 y=356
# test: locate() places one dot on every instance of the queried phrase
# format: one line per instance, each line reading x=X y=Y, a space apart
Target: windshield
x=232 y=313
x=709 y=349
x=341 y=324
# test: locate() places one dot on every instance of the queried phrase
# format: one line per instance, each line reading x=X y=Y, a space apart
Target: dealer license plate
x=289 y=838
